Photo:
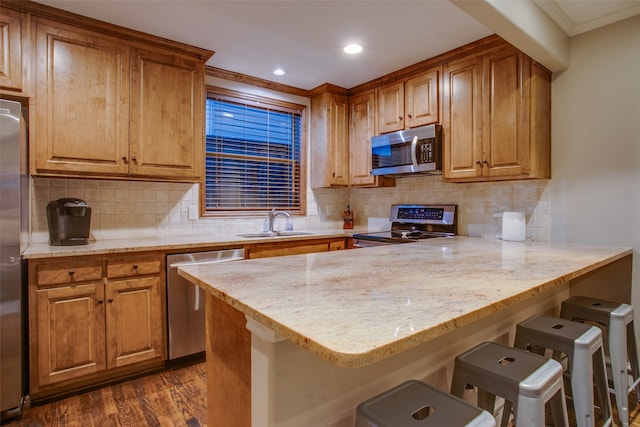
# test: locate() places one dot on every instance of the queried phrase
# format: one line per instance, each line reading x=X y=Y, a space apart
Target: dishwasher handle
x=186 y=263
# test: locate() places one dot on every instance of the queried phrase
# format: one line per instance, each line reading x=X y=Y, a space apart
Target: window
x=254 y=154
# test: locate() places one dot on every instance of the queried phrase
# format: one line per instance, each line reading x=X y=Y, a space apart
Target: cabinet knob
x=135 y=266
x=124 y=159
x=408 y=115
x=334 y=174
x=110 y=300
x=478 y=162
x=486 y=163
x=71 y=273
x=134 y=160
x=400 y=119
x=100 y=301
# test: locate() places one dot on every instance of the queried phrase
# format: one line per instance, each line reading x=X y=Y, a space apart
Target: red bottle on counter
x=348 y=219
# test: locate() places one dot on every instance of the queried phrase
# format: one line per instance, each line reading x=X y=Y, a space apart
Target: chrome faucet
x=273 y=215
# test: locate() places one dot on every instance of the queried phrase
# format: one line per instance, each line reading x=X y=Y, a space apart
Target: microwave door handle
x=414 y=156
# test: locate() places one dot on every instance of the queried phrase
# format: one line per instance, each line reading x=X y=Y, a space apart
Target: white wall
x=595 y=186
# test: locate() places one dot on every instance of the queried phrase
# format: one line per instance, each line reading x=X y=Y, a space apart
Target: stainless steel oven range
x=410 y=223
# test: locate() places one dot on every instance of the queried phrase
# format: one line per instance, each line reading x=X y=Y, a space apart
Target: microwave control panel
x=425 y=153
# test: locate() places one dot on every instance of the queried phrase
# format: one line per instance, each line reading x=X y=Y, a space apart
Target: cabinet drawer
x=73 y=272
x=138 y=266
x=266 y=251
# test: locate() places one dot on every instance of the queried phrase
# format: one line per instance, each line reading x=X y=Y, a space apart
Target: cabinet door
x=12 y=28
x=82 y=113
x=362 y=128
x=506 y=114
x=421 y=96
x=339 y=140
x=391 y=107
x=70 y=333
x=167 y=113
x=462 y=119
x=134 y=321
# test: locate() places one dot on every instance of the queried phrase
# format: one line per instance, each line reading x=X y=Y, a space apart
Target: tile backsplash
x=125 y=209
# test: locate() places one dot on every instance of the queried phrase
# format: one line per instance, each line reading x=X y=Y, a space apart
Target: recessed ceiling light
x=279 y=72
x=352 y=49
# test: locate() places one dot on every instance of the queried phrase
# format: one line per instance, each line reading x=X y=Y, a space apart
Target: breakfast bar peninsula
x=301 y=340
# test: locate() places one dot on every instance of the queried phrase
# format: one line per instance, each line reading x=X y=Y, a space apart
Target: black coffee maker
x=69 y=221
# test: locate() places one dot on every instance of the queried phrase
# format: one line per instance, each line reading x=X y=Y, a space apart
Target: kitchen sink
x=274 y=234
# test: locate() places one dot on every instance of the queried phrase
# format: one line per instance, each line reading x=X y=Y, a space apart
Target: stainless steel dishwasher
x=186 y=302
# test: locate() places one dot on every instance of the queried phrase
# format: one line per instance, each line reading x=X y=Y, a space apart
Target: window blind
x=253 y=156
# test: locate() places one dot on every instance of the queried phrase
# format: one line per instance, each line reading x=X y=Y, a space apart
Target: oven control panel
x=424 y=214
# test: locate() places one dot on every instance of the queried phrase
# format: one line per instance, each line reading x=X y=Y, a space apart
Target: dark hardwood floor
x=175 y=397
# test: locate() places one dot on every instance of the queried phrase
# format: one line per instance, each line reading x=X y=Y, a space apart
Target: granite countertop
x=169 y=243
x=362 y=306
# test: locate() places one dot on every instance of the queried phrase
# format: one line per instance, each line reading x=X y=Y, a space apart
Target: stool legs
x=621 y=335
x=585 y=356
x=617 y=319
x=530 y=407
x=523 y=379
x=590 y=362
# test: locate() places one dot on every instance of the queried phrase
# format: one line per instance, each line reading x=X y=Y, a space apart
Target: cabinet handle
x=334 y=174
x=124 y=159
x=110 y=300
x=71 y=273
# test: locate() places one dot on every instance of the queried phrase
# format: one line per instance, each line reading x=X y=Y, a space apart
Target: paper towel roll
x=513 y=226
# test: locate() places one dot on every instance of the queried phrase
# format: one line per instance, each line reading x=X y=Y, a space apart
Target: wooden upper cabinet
x=410 y=103
x=13 y=63
x=82 y=108
x=362 y=126
x=496 y=117
x=107 y=107
x=391 y=107
x=421 y=99
x=167 y=130
x=462 y=118
x=329 y=140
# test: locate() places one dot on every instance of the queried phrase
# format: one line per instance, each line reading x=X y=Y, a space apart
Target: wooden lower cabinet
x=85 y=330
x=265 y=250
x=133 y=321
x=70 y=334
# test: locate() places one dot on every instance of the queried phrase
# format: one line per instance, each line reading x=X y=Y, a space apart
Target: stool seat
x=617 y=321
x=585 y=355
x=414 y=403
x=526 y=380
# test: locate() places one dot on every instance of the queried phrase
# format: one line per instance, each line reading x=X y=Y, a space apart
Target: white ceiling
x=305 y=37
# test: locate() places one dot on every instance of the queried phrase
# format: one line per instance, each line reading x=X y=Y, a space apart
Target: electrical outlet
x=193 y=212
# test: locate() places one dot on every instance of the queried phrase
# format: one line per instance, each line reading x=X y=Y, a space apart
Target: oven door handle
x=414 y=155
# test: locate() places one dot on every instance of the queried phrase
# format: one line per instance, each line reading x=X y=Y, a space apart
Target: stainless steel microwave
x=417 y=150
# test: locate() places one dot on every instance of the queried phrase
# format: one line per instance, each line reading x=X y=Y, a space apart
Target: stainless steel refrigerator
x=14 y=234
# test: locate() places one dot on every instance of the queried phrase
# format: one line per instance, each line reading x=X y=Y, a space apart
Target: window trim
x=257 y=100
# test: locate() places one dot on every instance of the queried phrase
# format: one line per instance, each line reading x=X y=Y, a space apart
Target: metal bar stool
x=585 y=354
x=414 y=403
x=524 y=379
x=617 y=319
